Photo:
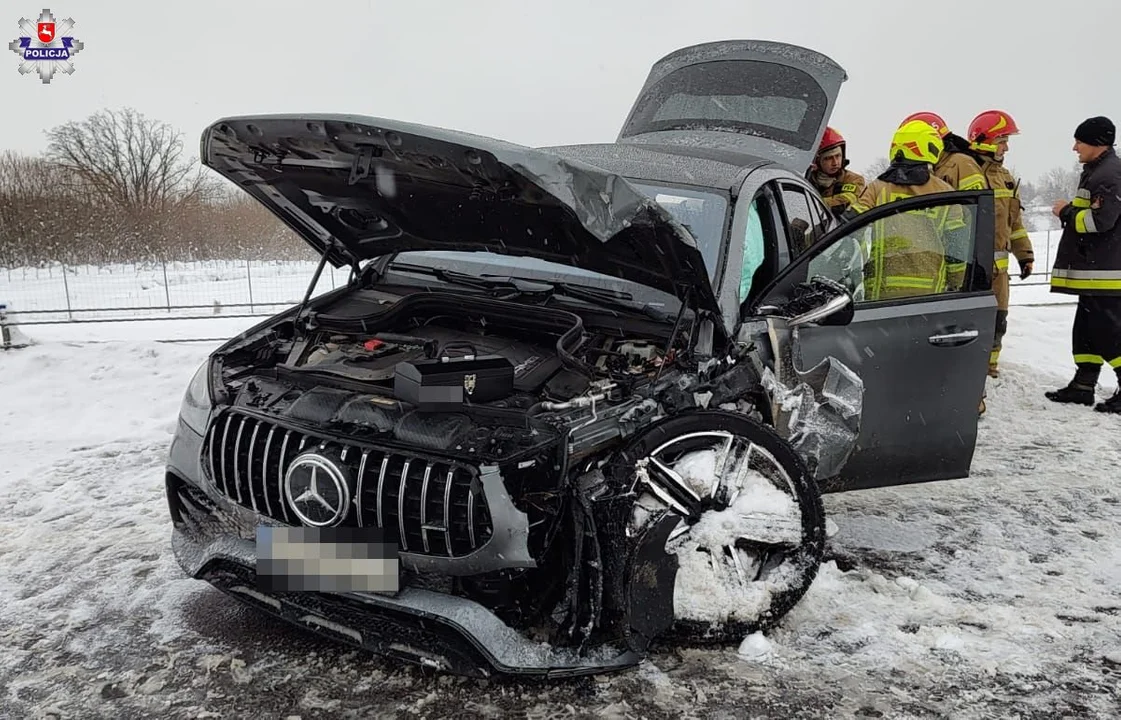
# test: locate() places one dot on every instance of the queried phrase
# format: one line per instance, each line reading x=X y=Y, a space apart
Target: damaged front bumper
x=212 y=541
x=419 y=626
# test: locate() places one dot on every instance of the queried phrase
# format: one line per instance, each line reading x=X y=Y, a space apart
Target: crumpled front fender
x=818 y=411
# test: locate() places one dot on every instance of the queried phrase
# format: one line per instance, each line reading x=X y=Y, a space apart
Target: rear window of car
x=760 y=98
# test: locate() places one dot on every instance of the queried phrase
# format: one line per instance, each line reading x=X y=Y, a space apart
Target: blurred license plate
x=305 y=559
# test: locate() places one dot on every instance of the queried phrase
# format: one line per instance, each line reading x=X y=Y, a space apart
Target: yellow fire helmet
x=916 y=140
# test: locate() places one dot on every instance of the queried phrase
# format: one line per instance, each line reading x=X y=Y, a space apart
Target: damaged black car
x=571 y=401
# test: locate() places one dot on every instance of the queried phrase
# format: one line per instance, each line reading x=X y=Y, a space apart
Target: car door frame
x=978 y=302
x=813 y=204
x=763 y=180
x=776 y=257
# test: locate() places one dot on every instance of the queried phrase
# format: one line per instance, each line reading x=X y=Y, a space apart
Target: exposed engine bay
x=560 y=420
x=461 y=345
x=472 y=376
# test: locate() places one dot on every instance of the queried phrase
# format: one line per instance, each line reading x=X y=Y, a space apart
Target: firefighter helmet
x=830 y=140
x=929 y=118
x=916 y=140
x=991 y=124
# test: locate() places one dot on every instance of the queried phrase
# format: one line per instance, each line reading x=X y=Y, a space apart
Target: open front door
x=920 y=271
x=762 y=98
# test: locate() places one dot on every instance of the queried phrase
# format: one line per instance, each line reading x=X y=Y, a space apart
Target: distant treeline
x=116 y=187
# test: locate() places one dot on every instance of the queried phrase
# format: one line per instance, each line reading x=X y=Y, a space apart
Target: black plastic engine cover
x=441 y=384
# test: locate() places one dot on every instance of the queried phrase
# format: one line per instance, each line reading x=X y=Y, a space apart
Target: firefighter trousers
x=1001 y=290
x=1096 y=336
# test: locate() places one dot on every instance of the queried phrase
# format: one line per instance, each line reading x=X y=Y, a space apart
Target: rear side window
x=802 y=225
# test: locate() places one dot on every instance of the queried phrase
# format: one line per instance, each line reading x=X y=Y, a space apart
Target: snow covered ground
x=993 y=596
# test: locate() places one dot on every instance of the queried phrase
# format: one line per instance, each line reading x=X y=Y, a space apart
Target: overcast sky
x=566 y=71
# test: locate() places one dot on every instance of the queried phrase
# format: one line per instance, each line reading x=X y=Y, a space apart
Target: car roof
x=701 y=166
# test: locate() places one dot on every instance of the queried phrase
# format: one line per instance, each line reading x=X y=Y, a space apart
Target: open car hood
x=768 y=99
x=360 y=187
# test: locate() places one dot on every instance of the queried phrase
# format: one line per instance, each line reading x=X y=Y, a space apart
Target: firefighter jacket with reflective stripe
x=1010 y=236
x=919 y=252
x=961 y=171
x=843 y=191
x=1088 y=261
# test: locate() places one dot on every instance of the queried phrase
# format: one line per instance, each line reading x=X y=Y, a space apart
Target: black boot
x=1112 y=405
x=1080 y=390
x=1075 y=393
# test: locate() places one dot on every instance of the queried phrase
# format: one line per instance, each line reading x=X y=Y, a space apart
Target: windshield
x=703 y=214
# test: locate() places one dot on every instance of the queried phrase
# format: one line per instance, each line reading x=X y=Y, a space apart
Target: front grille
x=426 y=505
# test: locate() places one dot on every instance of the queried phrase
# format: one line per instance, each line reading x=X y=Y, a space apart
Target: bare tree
x=1059 y=184
x=129 y=160
x=42 y=216
x=875 y=168
x=1028 y=193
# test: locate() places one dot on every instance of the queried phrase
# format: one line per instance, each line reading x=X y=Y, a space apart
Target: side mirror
x=827 y=310
x=821 y=301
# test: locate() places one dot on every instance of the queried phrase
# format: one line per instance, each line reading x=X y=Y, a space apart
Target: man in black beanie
x=1088 y=264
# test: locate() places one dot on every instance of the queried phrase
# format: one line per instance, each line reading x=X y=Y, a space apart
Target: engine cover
x=441 y=384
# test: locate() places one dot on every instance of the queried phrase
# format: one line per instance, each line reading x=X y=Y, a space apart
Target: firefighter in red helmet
x=829 y=173
x=988 y=138
x=959 y=165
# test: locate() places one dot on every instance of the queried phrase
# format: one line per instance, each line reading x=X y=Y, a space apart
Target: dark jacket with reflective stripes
x=1088 y=261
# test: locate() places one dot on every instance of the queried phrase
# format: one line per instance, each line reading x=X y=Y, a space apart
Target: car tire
x=789 y=470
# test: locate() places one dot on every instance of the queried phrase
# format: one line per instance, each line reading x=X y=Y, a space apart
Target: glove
x=1066 y=214
x=1025 y=269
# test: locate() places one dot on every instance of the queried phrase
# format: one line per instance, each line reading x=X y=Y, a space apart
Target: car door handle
x=954 y=339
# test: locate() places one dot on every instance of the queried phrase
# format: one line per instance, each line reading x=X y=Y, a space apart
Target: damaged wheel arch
x=751 y=462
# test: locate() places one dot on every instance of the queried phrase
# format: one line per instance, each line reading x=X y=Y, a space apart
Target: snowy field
x=997 y=596
x=238 y=287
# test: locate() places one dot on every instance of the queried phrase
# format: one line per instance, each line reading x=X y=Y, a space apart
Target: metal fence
x=63 y=293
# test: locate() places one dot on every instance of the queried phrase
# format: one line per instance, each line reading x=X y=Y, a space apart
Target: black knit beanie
x=1096 y=131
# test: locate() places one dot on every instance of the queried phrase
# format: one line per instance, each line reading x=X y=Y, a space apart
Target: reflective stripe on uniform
x=1001 y=257
x=1089 y=359
x=972 y=182
x=1084 y=221
x=916 y=282
x=994 y=356
x=1019 y=234
x=1086 y=279
x=1003 y=193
